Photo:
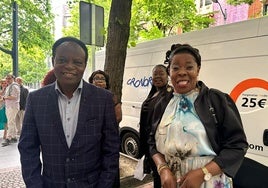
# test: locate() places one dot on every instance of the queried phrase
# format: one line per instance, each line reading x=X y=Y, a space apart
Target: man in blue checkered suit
x=72 y=125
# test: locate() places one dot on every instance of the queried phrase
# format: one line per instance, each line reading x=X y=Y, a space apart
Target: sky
x=58 y=9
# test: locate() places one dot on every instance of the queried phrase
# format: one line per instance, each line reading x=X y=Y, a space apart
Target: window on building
x=208 y=2
x=265 y=9
x=205 y=3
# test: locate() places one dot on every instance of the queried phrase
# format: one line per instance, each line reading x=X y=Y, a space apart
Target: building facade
x=225 y=13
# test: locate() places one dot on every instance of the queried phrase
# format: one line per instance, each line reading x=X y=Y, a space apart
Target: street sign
x=91 y=24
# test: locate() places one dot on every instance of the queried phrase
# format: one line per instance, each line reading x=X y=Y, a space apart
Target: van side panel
x=234 y=60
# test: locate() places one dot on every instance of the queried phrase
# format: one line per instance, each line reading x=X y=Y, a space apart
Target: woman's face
x=183 y=72
x=3 y=84
x=99 y=80
x=159 y=77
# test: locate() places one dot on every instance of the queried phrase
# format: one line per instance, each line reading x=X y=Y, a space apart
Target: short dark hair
x=161 y=66
x=106 y=76
x=182 y=48
x=69 y=39
x=11 y=76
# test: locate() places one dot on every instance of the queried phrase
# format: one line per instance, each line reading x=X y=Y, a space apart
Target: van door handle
x=265 y=137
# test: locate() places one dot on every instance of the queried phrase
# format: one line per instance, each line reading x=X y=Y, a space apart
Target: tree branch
x=6 y=51
x=6 y=31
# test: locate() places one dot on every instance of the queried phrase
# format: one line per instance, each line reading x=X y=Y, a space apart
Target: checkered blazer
x=93 y=157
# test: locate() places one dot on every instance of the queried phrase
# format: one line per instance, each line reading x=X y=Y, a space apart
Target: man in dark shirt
x=23 y=96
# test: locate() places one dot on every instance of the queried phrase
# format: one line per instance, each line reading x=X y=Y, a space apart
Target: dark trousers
x=251 y=174
x=149 y=166
x=117 y=180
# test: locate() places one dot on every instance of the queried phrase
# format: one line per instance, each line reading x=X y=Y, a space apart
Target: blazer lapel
x=84 y=106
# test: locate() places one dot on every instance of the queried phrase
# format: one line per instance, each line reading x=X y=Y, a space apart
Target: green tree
x=73 y=28
x=157 y=19
x=117 y=40
x=239 y=2
x=35 y=22
x=150 y=20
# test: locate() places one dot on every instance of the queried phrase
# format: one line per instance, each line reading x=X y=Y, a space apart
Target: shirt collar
x=79 y=88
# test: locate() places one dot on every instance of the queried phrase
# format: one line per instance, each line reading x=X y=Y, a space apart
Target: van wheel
x=130 y=144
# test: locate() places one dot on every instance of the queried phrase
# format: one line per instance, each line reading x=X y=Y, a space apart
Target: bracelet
x=162 y=166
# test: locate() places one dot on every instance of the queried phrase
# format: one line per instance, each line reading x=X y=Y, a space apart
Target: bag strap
x=12 y=87
x=212 y=110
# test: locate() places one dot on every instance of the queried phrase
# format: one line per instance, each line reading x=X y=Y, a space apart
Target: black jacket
x=23 y=96
x=226 y=136
x=146 y=115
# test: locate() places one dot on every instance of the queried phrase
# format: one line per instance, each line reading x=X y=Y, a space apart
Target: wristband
x=162 y=166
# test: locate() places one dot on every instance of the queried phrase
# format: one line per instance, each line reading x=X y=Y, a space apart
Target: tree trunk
x=117 y=40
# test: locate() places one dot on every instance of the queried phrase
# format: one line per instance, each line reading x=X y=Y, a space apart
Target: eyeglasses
x=99 y=79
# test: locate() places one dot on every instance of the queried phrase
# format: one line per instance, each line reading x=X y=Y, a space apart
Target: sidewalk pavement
x=10 y=173
x=131 y=182
x=147 y=185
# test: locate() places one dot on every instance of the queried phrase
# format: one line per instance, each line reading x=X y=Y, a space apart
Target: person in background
x=101 y=79
x=73 y=123
x=159 y=88
x=49 y=78
x=3 y=117
x=12 y=103
x=197 y=138
x=23 y=96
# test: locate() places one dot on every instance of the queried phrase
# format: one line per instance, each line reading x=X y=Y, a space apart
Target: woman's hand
x=168 y=180
x=192 y=179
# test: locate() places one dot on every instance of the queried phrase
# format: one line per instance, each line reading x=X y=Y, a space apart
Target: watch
x=208 y=175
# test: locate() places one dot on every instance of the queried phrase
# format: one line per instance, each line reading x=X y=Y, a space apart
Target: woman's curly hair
x=49 y=78
x=182 y=48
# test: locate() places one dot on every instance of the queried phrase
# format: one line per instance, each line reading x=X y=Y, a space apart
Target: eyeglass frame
x=99 y=79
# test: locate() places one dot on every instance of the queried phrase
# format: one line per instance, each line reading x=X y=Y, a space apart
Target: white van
x=234 y=60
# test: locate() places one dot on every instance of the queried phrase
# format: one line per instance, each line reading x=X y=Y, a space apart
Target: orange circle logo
x=247 y=84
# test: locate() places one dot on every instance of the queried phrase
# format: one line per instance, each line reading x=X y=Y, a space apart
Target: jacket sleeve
x=157 y=113
x=29 y=148
x=151 y=138
x=110 y=146
x=232 y=139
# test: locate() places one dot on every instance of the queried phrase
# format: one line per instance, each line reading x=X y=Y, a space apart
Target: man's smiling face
x=69 y=64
